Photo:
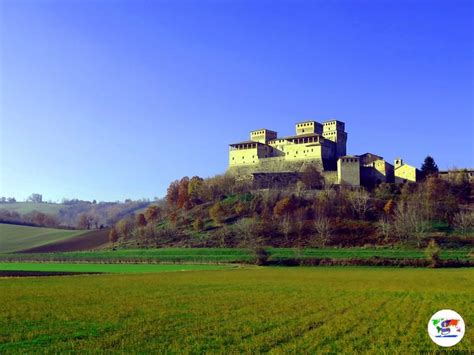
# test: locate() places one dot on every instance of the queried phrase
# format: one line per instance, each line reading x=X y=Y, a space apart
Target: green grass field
x=26 y=207
x=14 y=238
x=249 y=310
x=107 y=268
x=226 y=255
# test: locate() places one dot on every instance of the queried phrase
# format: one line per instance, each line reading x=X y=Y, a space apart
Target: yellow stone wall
x=404 y=173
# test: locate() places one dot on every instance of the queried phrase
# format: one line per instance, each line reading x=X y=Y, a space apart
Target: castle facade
x=319 y=144
x=314 y=142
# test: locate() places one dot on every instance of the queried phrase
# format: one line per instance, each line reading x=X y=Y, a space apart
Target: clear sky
x=112 y=99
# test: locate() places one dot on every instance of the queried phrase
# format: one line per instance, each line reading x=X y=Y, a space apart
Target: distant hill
x=27 y=207
x=68 y=214
x=15 y=238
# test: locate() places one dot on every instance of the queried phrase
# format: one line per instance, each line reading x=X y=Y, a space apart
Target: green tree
x=429 y=167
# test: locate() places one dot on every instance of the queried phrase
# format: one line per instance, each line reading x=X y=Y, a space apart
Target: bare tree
x=323 y=227
x=463 y=221
x=286 y=227
x=384 y=228
x=359 y=200
x=410 y=222
x=245 y=229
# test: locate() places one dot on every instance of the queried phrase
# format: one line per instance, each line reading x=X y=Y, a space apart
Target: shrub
x=198 y=224
x=463 y=221
x=432 y=253
x=261 y=256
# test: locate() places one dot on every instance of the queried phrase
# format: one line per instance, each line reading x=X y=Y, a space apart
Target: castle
x=318 y=144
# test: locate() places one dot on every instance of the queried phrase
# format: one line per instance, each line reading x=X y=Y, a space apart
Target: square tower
x=309 y=127
x=334 y=130
x=263 y=135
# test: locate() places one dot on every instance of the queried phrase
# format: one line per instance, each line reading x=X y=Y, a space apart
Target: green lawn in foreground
x=227 y=255
x=121 y=268
x=14 y=237
x=249 y=310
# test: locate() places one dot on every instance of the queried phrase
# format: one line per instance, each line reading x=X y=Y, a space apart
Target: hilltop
x=224 y=211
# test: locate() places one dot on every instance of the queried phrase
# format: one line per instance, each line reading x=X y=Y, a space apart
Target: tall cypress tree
x=429 y=167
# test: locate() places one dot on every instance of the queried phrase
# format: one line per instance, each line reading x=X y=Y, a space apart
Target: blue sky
x=113 y=99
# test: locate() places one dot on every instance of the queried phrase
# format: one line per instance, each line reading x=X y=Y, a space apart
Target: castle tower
x=262 y=135
x=308 y=127
x=335 y=131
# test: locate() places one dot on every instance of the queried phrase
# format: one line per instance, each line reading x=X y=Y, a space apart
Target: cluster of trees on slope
x=224 y=211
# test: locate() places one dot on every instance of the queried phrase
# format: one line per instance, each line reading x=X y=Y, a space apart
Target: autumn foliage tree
x=217 y=213
x=152 y=213
x=140 y=220
x=285 y=207
x=172 y=194
x=113 y=235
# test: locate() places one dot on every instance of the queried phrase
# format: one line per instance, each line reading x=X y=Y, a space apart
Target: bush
x=432 y=253
x=463 y=221
x=261 y=256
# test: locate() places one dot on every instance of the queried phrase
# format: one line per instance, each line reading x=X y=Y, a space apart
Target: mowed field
x=221 y=255
x=105 y=268
x=15 y=238
x=253 y=309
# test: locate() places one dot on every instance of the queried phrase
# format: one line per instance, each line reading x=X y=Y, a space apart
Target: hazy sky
x=113 y=99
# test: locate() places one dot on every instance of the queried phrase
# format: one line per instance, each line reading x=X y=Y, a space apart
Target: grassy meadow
x=15 y=237
x=106 y=268
x=253 y=309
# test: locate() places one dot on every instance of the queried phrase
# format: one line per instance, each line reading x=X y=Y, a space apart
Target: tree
x=432 y=253
x=198 y=224
x=36 y=198
x=11 y=200
x=172 y=194
x=140 y=220
x=195 y=187
x=113 y=235
x=463 y=221
x=286 y=206
x=247 y=232
x=84 y=221
x=124 y=227
x=429 y=167
x=217 y=213
x=152 y=213
x=384 y=228
x=389 y=207
x=240 y=209
x=286 y=227
x=410 y=222
x=323 y=228
x=359 y=201
x=183 y=196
